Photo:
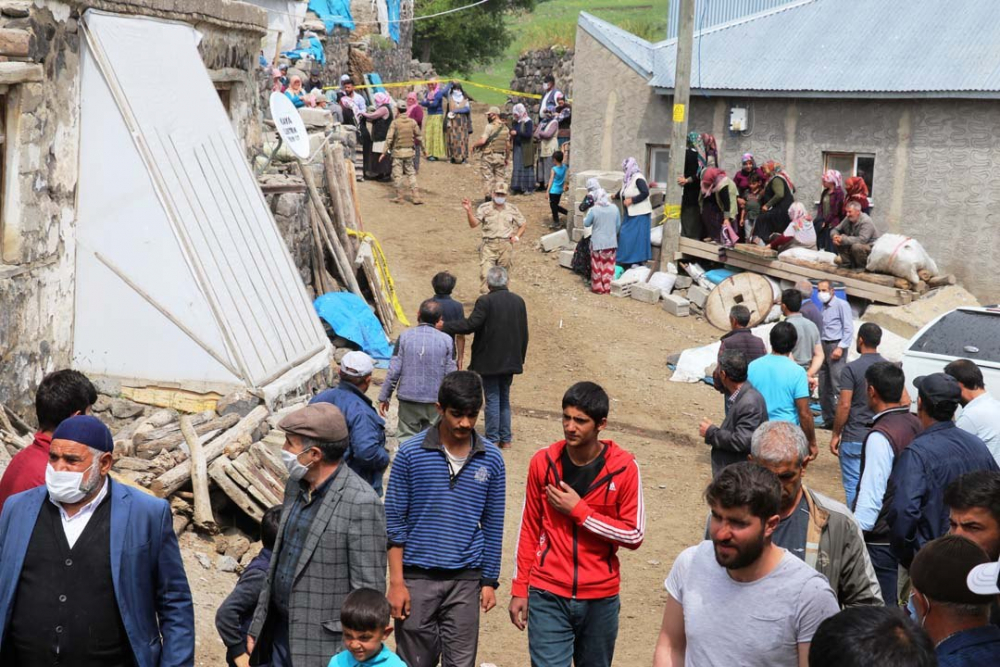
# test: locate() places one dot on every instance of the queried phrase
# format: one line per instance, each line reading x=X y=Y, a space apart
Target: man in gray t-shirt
x=808 y=352
x=851 y=423
x=770 y=601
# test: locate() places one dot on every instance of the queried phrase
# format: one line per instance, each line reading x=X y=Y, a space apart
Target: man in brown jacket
x=853 y=238
x=402 y=141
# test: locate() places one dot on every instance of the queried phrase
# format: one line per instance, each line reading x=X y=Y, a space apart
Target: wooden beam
x=203 y=518
x=12 y=73
x=15 y=43
x=218 y=473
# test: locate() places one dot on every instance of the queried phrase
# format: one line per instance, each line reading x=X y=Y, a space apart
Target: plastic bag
x=808 y=255
x=665 y=281
x=900 y=256
x=637 y=274
x=656 y=236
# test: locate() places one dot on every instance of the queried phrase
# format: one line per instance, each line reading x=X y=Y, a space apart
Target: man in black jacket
x=746 y=409
x=499 y=321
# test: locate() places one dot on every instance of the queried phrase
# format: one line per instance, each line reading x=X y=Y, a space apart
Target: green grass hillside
x=553 y=22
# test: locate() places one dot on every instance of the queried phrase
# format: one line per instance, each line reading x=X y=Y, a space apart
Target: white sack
x=900 y=256
x=808 y=255
x=695 y=363
x=656 y=236
x=665 y=281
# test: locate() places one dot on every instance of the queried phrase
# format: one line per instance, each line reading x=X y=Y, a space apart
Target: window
x=853 y=164
x=225 y=92
x=657 y=162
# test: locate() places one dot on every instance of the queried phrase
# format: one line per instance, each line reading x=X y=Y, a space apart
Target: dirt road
x=574 y=335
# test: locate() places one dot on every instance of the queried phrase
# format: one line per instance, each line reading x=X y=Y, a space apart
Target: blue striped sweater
x=441 y=527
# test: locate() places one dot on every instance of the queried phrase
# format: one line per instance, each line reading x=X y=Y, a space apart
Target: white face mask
x=65 y=486
x=547 y=86
x=296 y=471
x=499 y=200
x=825 y=297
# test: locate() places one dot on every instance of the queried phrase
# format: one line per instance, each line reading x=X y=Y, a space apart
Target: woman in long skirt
x=522 y=179
x=458 y=124
x=634 y=246
x=434 y=122
x=377 y=123
x=605 y=222
x=416 y=112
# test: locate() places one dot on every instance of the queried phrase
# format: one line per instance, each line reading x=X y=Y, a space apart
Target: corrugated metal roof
x=635 y=51
x=876 y=47
x=708 y=13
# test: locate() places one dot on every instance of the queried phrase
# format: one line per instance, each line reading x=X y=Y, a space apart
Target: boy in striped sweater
x=444 y=515
x=583 y=501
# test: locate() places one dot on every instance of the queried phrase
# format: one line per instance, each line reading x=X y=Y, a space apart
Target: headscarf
x=801 y=225
x=295 y=85
x=711 y=148
x=432 y=85
x=411 y=100
x=631 y=169
x=773 y=168
x=520 y=113
x=593 y=185
x=748 y=157
x=601 y=197
x=694 y=141
x=834 y=176
x=457 y=93
x=856 y=186
x=711 y=178
x=382 y=98
x=559 y=97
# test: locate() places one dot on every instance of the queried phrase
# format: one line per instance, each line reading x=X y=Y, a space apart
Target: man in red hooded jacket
x=583 y=501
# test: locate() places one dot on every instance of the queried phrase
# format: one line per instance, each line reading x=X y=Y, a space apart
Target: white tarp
x=283 y=18
x=182 y=276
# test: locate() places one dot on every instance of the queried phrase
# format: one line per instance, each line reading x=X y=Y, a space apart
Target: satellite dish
x=289 y=124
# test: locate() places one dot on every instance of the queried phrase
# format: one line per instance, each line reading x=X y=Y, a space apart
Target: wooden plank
x=271 y=463
x=153 y=445
x=258 y=487
x=203 y=518
x=177 y=399
x=217 y=471
x=778 y=269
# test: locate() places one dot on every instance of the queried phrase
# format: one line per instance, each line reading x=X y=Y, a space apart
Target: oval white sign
x=289 y=124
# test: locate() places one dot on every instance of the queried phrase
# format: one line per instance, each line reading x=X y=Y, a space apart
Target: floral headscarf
x=799 y=216
x=593 y=185
x=382 y=98
x=857 y=186
x=748 y=157
x=834 y=177
x=520 y=113
x=411 y=100
x=631 y=169
x=601 y=197
x=773 y=168
x=694 y=140
x=295 y=85
x=711 y=179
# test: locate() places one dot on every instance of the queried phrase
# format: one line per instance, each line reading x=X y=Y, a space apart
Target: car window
x=963 y=334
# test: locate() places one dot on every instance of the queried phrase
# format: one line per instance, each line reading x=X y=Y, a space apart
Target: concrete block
x=621 y=289
x=698 y=295
x=579 y=233
x=683 y=282
x=676 y=305
x=555 y=240
x=906 y=321
x=566 y=258
x=646 y=293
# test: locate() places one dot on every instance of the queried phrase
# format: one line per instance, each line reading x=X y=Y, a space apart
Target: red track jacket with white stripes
x=574 y=556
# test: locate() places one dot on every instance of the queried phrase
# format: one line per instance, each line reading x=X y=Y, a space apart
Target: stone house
x=42 y=181
x=884 y=90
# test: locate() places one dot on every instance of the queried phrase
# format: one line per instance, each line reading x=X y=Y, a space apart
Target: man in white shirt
x=771 y=601
x=980 y=410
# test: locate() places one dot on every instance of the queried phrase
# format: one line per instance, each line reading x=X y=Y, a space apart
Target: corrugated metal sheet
x=879 y=47
x=708 y=13
x=634 y=51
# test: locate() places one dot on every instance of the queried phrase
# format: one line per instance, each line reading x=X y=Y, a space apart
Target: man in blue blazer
x=90 y=570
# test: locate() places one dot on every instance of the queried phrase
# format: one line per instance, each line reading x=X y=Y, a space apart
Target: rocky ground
x=575 y=335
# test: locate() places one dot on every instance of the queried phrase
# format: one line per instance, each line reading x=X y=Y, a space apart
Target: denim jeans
x=497 y=389
x=850 y=470
x=886 y=571
x=564 y=631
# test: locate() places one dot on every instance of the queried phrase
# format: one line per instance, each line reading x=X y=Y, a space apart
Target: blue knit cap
x=86 y=430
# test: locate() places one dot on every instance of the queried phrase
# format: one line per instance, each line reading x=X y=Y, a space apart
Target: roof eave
x=586 y=21
x=842 y=94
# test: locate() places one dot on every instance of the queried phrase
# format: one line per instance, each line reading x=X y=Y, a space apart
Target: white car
x=964 y=333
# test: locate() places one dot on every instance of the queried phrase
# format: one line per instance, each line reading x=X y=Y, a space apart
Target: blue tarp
x=315 y=50
x=393 y=8
x=351 y=318
x=375 y=81
x=334 y=13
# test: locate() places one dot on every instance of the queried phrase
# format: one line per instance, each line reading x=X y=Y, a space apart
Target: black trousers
x=555 y=207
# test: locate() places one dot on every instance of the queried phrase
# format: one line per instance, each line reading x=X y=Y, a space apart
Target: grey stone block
x=566 y=258
x=683 y=282
x=621 y=289
x=239 y=402
x=555 y=240
x=698 y=295
x=645 y=292
x=676 y=305
x=578 y=233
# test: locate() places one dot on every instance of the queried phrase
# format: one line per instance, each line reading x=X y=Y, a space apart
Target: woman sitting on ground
x=522 y=179
x=634 y=246
x=606 y=222
x=830 y=210
x=800 y=232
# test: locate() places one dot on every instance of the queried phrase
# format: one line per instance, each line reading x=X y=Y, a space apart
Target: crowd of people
x=758 y=205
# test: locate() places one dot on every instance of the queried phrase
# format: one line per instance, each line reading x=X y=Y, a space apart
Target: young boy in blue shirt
x=364 y=619
x=557 y=183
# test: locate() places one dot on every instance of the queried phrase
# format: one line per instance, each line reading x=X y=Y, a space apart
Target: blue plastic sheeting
x=351 y=318
x=718 y=275
x=375 y=81
x=333 y=13
x=315 y=50
x=393 y=8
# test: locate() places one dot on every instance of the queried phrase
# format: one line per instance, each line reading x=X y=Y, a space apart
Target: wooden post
x=350 y=280
x=678 y=138
x=340 y=218
x=203 y=519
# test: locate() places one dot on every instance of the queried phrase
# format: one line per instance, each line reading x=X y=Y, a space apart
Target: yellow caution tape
x=382 y=264
x=404 y=84
x=672 y=211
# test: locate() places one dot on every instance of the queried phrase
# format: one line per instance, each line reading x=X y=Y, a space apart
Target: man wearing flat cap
x=952 y=605
x=331 y=541
x=90 y=571
x=939 y=454
x=366 y=455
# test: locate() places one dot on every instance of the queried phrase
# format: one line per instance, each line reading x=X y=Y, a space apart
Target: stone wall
x=41 y=155
x=291 y=213
x=937 y=162
x=533 y=66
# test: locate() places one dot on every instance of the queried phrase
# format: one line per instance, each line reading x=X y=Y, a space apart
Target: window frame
x=853 y=155
x=651 y=149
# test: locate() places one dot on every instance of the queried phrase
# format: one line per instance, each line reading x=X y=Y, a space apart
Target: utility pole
x=678 y=140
